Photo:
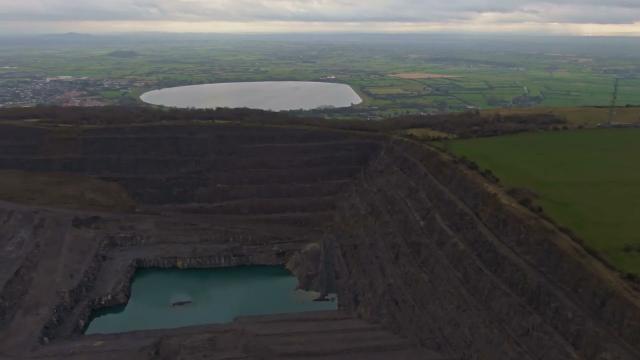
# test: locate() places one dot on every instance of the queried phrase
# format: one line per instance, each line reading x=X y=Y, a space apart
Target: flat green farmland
x=587 y=180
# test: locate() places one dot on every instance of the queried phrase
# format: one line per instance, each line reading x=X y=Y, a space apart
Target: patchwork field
x=588 y=181
x=418 y=76
x=394 y=75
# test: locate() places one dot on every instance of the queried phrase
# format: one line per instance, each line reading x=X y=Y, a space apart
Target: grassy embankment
x=587 y=181
x=63 y=190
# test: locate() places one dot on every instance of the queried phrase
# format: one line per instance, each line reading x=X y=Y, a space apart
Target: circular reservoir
x=264 y=95
x=164 y=299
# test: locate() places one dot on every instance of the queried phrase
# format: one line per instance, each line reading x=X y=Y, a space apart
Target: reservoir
x=265 y=95
x=163 y=299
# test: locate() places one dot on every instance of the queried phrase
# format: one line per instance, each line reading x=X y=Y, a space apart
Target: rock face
x=410 y=240
x=436 y=253
x=213 y=169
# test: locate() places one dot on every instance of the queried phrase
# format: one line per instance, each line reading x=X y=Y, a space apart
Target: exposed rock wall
x=161 y=165
x=436 y=253
x=17 y=285
x=21 y=251
x=68 y=300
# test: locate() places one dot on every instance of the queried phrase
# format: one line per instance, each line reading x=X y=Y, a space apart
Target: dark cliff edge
x=437 y=261
x=435 y=252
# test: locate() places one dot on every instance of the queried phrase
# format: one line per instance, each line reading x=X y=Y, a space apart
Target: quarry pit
x=429 y=259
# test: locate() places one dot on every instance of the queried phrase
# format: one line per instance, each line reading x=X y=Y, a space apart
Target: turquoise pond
x=162 y=299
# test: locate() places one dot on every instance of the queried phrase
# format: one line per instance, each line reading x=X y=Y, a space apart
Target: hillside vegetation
x=63 y=190
x=577 y=116
x=587 y=181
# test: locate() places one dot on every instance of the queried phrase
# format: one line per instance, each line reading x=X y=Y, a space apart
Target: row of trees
x=467 y=124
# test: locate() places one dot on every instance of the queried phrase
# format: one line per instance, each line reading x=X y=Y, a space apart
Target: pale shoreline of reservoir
x=265 y=95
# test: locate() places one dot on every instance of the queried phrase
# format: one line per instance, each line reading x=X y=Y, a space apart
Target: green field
x=475 y=73
x=588 y=181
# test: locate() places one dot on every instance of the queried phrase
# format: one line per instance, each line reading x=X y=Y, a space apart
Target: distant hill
x=123 y=54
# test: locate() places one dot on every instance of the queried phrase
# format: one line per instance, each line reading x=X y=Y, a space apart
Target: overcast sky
x=581 y=17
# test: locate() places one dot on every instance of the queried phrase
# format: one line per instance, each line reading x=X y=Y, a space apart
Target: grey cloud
x=543 y=11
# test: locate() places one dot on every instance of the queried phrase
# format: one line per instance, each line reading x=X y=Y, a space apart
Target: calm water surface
x=215 y=296
x=265 y=95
